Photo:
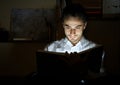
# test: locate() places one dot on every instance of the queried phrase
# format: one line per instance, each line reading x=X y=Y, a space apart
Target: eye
x=66 y=27
x=78 y=27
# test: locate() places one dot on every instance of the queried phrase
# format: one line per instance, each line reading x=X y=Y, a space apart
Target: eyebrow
x=68 y=25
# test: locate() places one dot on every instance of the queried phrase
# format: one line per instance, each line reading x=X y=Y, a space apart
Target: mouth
x=72 y=36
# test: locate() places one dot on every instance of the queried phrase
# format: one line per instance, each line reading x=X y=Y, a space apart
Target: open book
x=54 y=63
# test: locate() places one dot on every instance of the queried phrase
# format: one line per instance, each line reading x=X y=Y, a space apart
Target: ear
x=85 y=25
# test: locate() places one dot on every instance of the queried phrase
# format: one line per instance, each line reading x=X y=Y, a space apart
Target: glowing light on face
x=73 y=28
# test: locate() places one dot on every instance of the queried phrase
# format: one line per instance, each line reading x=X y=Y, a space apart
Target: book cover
x=54 y=63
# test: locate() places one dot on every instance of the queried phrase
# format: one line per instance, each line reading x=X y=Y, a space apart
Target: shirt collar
x=68 y=42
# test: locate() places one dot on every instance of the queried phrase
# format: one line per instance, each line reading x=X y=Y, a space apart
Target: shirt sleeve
x=50 y=47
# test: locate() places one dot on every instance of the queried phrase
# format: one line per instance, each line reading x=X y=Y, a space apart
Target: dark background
x=18 y=58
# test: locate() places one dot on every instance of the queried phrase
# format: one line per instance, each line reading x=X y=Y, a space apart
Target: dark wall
x=18 y=58
x=106 y=32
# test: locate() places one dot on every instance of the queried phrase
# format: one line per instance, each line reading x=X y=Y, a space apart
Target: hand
x=74 y=57
x=74 y=54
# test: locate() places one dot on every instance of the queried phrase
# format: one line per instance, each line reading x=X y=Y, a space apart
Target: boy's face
x=73 y=28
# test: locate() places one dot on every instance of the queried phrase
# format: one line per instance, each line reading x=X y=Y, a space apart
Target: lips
x=72 y=36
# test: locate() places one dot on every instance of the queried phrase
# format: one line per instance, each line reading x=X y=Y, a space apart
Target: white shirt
x=64 y=45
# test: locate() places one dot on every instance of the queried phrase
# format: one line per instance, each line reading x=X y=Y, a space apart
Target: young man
x=74 y=21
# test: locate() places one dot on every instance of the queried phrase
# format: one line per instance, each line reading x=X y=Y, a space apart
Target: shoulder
x=87 y=43
x=55 y=44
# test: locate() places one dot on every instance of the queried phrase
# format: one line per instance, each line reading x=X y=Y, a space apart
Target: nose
x=72 y=31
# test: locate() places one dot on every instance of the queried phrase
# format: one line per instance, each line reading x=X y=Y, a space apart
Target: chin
x=73 y=40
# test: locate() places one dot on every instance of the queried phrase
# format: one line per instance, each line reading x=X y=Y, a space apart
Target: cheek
x=67 y=31
x=79 y=32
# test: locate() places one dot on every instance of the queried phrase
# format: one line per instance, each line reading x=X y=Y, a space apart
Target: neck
x=74 y=43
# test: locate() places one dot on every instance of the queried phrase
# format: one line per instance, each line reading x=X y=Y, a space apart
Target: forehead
x=73 y=21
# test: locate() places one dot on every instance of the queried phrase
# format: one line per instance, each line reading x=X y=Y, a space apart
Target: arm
x=102 y=69
x=50 y=47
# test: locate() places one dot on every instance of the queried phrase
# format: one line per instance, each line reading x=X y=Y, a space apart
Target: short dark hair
x=74 y=10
